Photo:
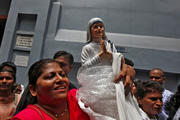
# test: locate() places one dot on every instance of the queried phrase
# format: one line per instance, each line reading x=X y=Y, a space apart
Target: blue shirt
x=166 y=97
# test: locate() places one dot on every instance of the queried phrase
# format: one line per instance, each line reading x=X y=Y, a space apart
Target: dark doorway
x=2 y=26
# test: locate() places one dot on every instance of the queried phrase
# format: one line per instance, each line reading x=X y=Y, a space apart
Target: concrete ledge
x=124 y=40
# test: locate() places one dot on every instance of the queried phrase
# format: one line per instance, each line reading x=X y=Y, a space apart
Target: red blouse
x=32 y=112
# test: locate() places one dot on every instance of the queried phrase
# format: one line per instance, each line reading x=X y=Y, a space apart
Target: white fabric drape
x=105 y=100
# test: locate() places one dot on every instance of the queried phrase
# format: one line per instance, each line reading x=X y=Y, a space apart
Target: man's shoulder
x=166 y=95
x=167 y=92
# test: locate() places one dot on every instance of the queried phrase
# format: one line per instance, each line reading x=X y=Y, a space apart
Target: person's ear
x=32 y=90
x=139 y=101
x=164 y=79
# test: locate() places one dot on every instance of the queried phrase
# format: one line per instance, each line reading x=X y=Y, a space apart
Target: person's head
x=129 y=62
x=7 y=76
x=66 y=60
x=157 y=75
x=48 y=82
x=149 y=96
x=95 y=30
x=136 y=83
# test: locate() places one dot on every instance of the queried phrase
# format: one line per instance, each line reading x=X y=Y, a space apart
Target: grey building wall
x=141 y=17
x=26 y=19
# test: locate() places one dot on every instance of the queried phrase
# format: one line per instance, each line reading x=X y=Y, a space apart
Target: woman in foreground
x=50 y=98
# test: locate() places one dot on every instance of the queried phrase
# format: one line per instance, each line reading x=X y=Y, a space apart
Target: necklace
x=54 y=116
x=61 y=114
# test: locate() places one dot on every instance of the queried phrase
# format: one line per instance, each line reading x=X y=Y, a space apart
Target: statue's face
x=97 y=31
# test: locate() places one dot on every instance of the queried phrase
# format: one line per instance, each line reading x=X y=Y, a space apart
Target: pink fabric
x=75 y=112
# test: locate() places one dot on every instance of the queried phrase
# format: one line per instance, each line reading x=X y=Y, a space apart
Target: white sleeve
x=86 y=58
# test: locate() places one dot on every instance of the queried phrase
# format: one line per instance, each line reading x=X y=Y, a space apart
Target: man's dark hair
x=10 y=65
x=158 y=70
x=64 y=54
x=129 y=62
x=148 y=87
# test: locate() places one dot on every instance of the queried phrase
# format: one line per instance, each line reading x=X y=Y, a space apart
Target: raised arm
x=127 y=75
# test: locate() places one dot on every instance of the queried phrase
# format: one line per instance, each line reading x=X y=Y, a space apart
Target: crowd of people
x=108 y=90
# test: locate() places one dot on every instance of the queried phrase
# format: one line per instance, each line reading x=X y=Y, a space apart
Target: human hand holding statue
x=127 y=74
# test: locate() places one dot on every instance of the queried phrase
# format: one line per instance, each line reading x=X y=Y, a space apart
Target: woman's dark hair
x=25 y=100
x=173 y=104
x=36 y=70
x=34 y=73
x=146 y=87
